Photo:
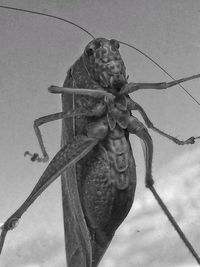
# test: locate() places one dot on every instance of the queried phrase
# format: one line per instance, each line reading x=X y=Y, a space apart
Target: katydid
x=96 y=160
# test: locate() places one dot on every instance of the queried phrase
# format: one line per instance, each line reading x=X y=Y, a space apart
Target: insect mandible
x=98 y=193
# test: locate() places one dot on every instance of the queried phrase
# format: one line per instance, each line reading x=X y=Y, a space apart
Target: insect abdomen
x=106 y=202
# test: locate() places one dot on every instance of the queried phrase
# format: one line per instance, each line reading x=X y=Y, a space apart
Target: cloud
x=40 y=248
x=147 y=235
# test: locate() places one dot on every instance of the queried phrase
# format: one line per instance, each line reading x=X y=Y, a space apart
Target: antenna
x=50 y=16
x=91 y=35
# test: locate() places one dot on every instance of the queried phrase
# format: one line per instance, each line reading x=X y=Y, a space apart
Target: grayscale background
x=36 y=52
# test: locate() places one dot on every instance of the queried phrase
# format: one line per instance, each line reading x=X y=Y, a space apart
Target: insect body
x=96 y=160
x=106 y=176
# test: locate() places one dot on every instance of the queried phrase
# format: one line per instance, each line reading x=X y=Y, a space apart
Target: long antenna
x=47 y=15
x=91 y=35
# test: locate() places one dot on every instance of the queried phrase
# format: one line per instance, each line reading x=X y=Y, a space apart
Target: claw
x=26 y=153
x=191 y=140
x=35 y=157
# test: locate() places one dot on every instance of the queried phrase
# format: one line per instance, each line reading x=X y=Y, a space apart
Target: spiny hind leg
x=70 y=154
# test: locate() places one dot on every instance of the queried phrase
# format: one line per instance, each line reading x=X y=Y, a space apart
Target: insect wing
x=76 y=231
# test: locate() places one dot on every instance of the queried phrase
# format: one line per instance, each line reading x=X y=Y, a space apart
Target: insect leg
x=68 y=155
x=42 y=120
x=137 y=128
x=135 y=106
x=37 y=123
x=131 y=87
x=81 y=91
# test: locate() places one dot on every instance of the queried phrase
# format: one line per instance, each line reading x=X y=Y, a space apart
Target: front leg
x=38 y=122
x=132 y=87
x=98 y=110
x=137 y=128
x=96 y=93
x=135 y=106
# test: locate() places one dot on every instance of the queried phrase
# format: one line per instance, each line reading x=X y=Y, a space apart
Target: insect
x=97 y=121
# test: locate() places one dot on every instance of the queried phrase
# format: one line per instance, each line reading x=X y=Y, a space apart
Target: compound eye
x=115 y=43
x=93 y=47
x=89 y=51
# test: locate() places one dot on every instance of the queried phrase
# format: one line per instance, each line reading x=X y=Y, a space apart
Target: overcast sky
x=36 y=52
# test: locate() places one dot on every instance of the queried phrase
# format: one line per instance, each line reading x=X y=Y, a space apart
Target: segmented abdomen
x=107 y=187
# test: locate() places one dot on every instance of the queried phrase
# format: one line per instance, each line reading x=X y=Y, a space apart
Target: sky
x=36 y=52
